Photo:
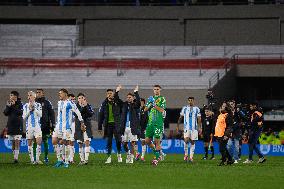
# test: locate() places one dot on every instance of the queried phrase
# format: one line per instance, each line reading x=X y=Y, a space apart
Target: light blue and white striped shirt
x=190 y=114
x=65 y=114
x=32 y=117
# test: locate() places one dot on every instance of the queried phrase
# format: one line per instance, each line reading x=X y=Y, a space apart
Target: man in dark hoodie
x=234 y=141
x=110 y=118
x=130 y=126
x=14 y=111
x=47 y=120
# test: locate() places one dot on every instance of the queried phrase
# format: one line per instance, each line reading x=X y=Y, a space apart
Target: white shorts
x=14 y=137
x=128 y=137
x=68 y=135
x=33 y=132
x=192 y=134
x=57 y=133
x=86 y=138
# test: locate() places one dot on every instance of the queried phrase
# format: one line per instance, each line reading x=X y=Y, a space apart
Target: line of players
x=127 y=123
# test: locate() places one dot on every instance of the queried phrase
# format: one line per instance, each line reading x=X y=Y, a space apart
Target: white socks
x=81 y=153
x=143 y=150
x=71 y=156
x=185 y=149
x=87 y=152
x=67 y=153
x=38 y=152
x=31 y=153
x=16 y=154
x=59 y=152
x=192 y=148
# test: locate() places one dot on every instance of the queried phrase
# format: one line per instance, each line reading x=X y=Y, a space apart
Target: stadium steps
x=102 y=78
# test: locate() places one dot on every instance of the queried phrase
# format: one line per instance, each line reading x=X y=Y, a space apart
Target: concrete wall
x=204 y=25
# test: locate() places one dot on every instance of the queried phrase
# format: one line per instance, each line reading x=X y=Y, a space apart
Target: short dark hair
x=131 y=94
x=157 y=86
x=71 y=95
x=40 y=89
x=15 y=93
x=143 y=100
x=191 y=97
x=81 y=94
x=64 y=90
x=109 y=90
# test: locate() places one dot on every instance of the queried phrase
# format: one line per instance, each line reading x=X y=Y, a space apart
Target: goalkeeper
x=156 y=106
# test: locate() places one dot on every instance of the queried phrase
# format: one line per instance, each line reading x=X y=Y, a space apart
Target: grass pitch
x=171 y=173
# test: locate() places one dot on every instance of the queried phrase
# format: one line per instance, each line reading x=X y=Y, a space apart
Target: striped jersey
x=65 y=115
x=32 y=117
x=190 y=115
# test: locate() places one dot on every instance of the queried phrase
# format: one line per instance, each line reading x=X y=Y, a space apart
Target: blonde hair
x=32 y=93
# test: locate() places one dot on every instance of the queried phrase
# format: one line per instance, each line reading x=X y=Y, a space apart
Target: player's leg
x=81 y=152
x=11 y=138
x=133 y=139
x=193 y=137
x=211 y=146
x=205 y=149
x=125 y=139
x=17 y=148
x=34 y=148
x=87 y=140
x=30 y=149
x=45 y=146
x=143 y=144
x=109 y=136
x=38 y=149
x=185 y=146
x=117 y=136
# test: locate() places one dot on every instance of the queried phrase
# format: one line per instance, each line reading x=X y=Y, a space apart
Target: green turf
x=172 y=173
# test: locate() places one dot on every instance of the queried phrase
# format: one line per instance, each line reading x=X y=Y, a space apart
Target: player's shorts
x=33 y=132
x=128 y=136
x=85 y=138
x=192 y=134
x=68 y=135
x=155 y=131
x=14 y=137
x=57 y=133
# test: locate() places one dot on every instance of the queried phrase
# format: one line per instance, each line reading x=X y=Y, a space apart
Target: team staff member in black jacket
x=110 y=118
x=84 y=135
x=14 y=111
x=47 y=120
x=130 y=126
x=208 y=129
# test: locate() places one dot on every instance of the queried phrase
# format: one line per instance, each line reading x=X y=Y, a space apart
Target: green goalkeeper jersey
x=156 y=117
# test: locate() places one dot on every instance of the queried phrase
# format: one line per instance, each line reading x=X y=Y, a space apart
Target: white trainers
x=248 y=161
x=236 y=162
x=119 y=158
x=108 y=160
